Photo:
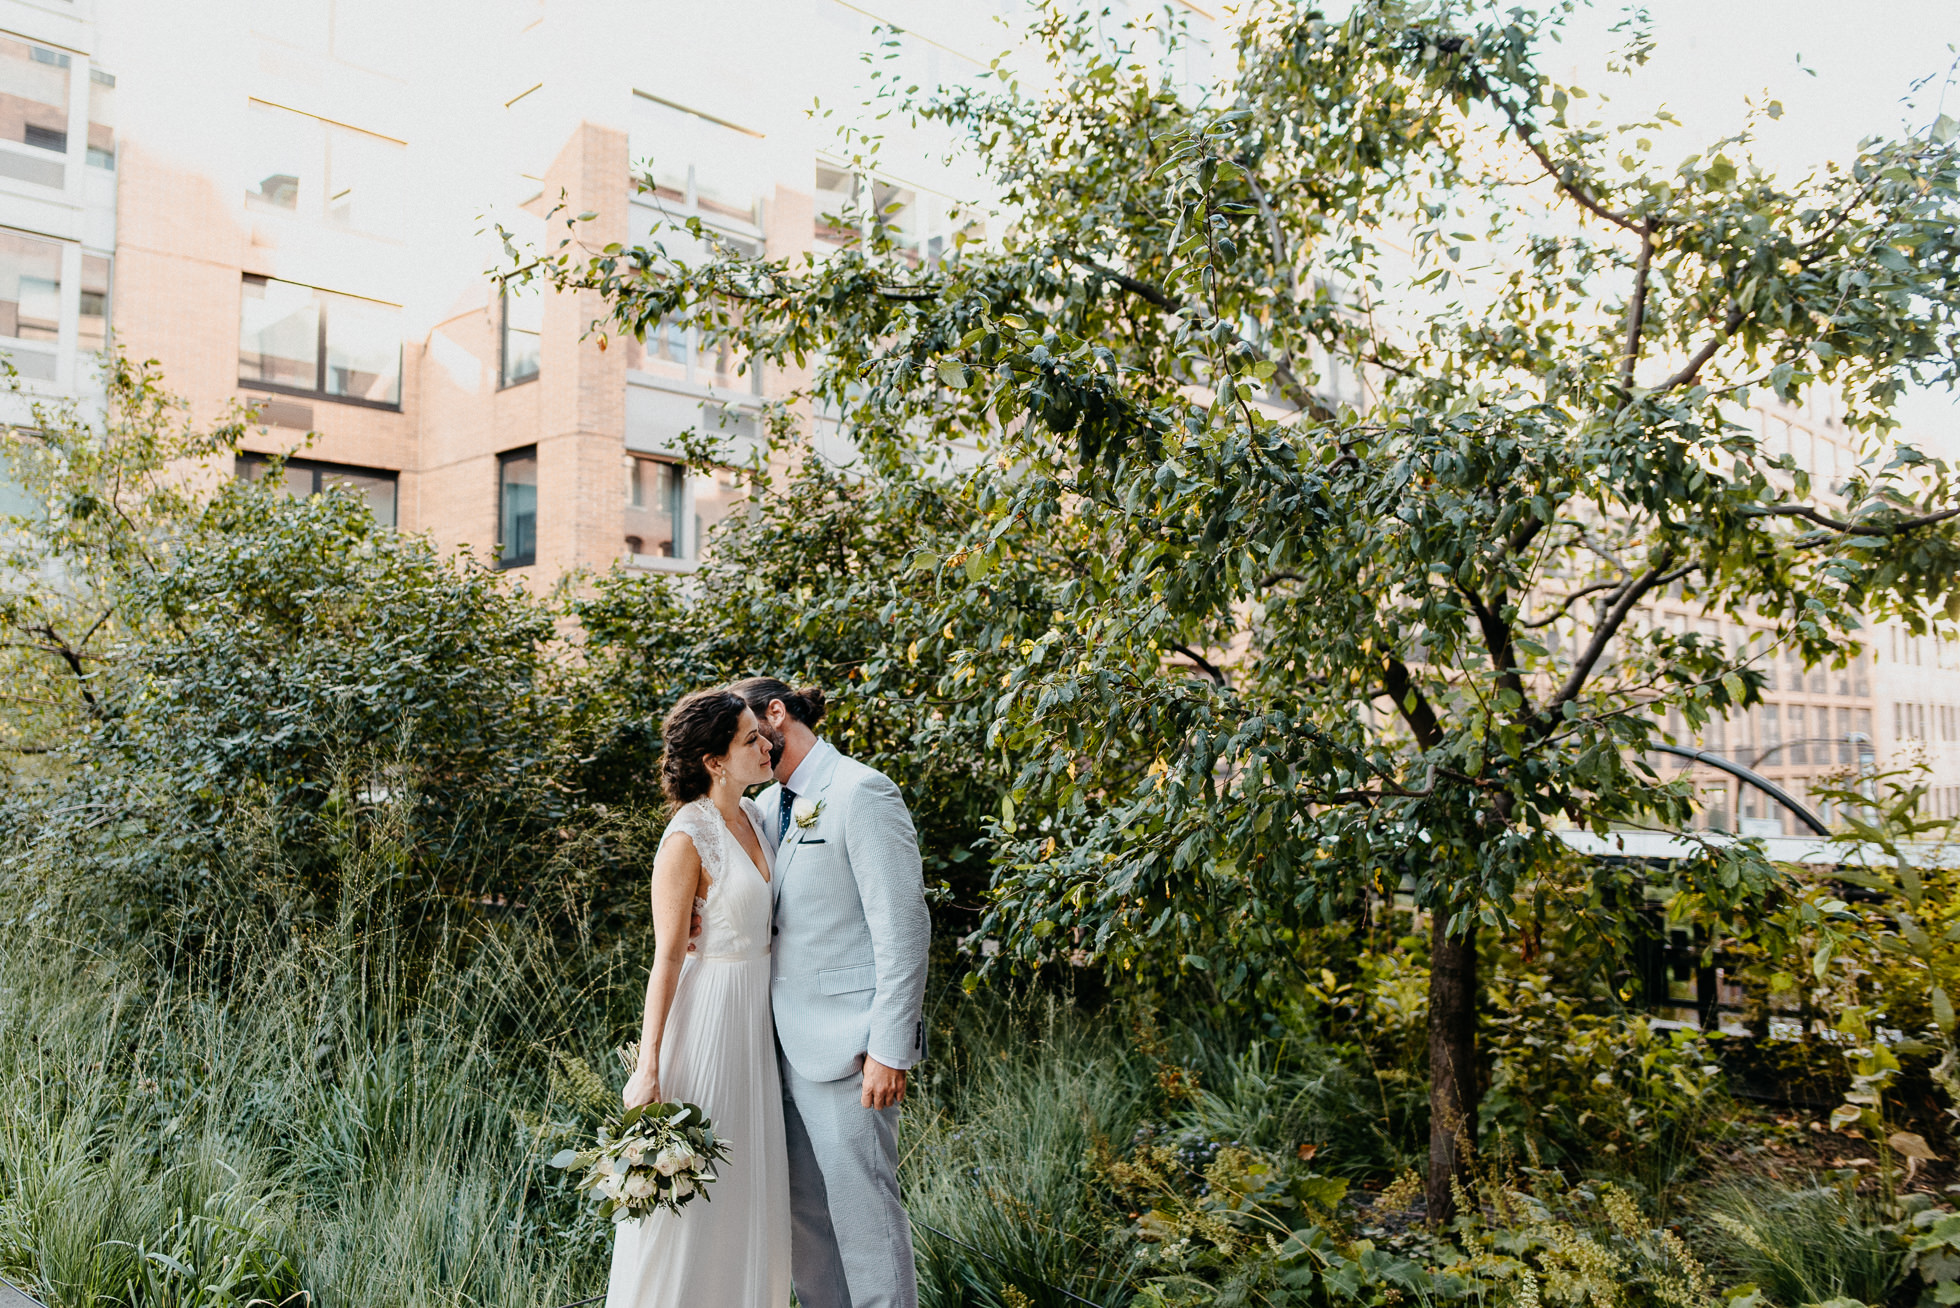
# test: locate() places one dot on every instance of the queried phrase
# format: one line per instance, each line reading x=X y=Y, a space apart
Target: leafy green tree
x=1293 y=641
x=199 y=652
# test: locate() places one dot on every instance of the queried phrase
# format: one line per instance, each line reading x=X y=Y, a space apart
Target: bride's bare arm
x=677 y=879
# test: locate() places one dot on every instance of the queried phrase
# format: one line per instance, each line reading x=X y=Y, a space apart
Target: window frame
x=323 y=306
x=504 y=459
x=322 y=467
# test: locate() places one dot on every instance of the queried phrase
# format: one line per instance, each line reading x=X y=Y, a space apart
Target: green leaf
x=924 y=561
x=1942 y=1010
x=954 y=375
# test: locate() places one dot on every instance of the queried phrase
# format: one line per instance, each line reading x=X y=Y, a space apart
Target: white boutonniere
x=805 y=813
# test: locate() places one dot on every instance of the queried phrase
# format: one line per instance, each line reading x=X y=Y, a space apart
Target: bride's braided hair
x=700 y=727
x=805 y=705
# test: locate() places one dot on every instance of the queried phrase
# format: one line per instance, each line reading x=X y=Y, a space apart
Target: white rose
x=636 y=1153
x=682 y=1187
x=639 y=1185
x=672 y=1159
x=805 y=813
x=608 y=1187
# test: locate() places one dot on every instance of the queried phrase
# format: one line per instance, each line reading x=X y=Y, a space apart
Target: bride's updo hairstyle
x=805 y=705
x=700 y=727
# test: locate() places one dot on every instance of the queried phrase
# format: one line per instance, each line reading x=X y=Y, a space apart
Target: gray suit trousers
x=850 y=1242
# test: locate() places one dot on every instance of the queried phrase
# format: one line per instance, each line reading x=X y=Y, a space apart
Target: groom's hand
x=883 y=1086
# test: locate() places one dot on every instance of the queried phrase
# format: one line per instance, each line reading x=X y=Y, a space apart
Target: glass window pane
x=101 y=118
x=364 y=182
x=94 y=330
x=305 y=477
x=653 y=507
x=517 y=508
x=30 y=287
x=279 y=334
x=295 y=478
x=364 y=350
x=715 y=497
x=523 y=317
x=284 y=149
x=33 y=94
x=378 y=491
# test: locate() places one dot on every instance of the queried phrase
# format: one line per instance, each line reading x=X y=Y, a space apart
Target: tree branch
x=1706 y=352
x=1409 y=702
x=73 y=659
x=1872 y=529
x=1637 y=307
x=1609 y=626
x=1571 y=599
x=1497 y=640
x=1204 y=665
x=1526 y=134
x=1142 y=290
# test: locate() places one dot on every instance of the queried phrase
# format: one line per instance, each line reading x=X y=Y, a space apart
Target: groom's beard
x=778 y=742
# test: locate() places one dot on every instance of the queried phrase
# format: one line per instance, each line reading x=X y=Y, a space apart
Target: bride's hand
x=643 y=1087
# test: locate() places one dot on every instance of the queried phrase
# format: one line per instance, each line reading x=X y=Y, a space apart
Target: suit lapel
x=793 y=838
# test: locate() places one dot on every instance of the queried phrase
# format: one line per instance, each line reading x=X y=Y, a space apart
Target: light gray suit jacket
x=849 y=951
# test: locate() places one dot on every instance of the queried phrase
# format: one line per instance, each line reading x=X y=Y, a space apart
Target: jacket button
x=775 y=931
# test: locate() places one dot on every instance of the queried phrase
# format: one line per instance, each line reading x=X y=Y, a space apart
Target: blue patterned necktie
x=782 y=817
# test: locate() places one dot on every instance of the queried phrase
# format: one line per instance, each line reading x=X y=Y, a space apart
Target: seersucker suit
x=848 y=978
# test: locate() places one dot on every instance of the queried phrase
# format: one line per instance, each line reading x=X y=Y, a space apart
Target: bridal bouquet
x=654 y=1156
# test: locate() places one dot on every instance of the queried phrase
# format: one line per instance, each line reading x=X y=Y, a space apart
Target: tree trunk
x=1452 y=1061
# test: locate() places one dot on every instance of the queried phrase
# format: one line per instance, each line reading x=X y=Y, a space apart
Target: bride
x=707 y=1038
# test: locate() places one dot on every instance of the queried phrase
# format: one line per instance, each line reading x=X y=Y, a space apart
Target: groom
x=848 y=986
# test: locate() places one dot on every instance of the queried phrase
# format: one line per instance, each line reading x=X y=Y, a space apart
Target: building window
x=312 y=342
x=517 y=508
x=523 y=310
x=33 y=95
x=30 y=288
x=715 y=496
x=101 y=119
x=655 y=495
x=92 y=332
x=1771 y=742
x=338 y=175
x=670 y=510
x=306 y=477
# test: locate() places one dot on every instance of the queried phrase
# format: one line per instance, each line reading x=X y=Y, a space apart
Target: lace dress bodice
x=735 y=913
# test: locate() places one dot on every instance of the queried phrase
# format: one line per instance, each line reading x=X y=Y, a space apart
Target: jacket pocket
x=845 y=980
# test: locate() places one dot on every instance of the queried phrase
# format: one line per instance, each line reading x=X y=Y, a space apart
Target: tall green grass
x=998 y=1156
x=326 y=1109
x=1808 y=1246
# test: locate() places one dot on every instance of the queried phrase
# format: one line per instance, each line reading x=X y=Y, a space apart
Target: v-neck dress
x=731 y=1246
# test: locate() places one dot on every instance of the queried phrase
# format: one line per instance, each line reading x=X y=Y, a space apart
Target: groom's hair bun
x=805 y=705
x=701 y=726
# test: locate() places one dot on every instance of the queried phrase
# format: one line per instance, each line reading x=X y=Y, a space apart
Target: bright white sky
x=1712 y=57
x=1842 y=70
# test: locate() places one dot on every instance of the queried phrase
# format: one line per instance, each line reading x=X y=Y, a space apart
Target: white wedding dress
x=729 y=1248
